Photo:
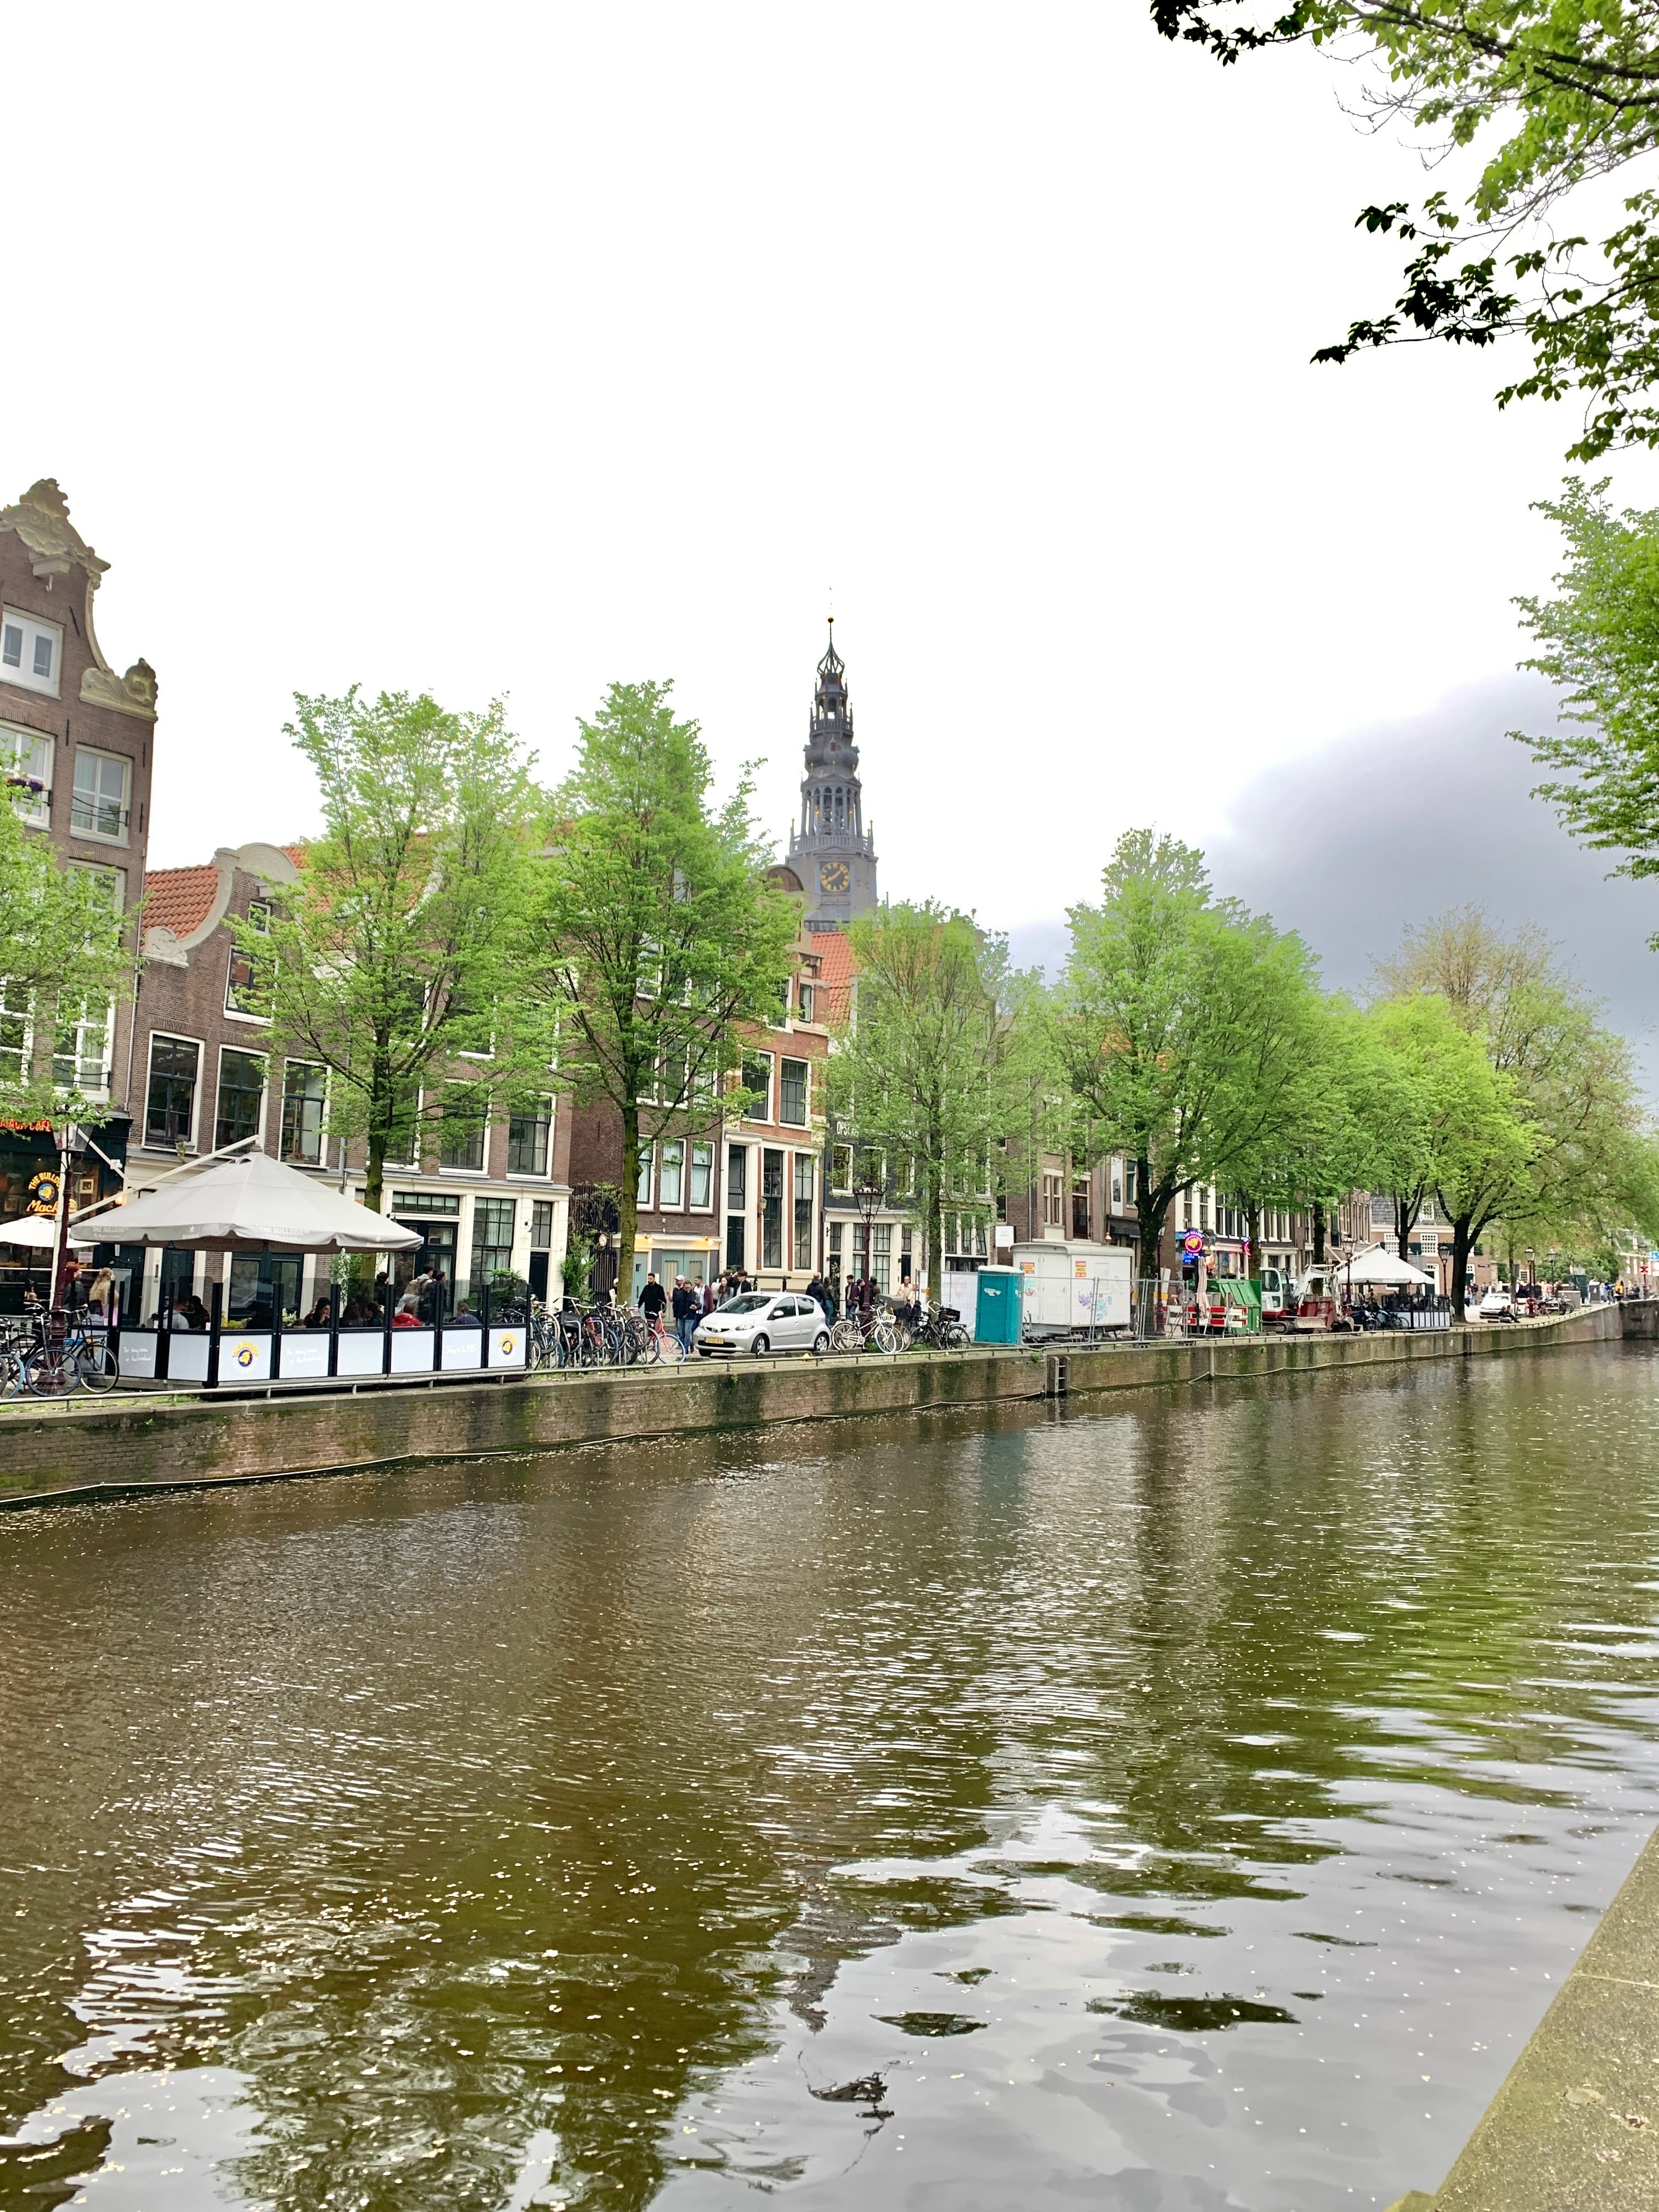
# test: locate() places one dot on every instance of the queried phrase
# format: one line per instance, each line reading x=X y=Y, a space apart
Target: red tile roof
x=180 y=899
x=837 y=969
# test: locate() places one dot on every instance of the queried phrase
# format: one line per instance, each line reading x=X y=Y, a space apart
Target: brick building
x=82 y=737
x=489 y=1198
x=735 y=1193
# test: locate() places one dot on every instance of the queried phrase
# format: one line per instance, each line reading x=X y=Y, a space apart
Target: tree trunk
x=935 y=1230
x=380 y=1125
x=1253 y=1227
x=1405 y=1220
x=1463 y=1243
x=1150 y=1214
x=628 y=1204
x=1318 y=1233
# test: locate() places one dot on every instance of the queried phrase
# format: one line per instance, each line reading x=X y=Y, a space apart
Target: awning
x=250 y=1203
x=39 y=1232
x=1380 y=1268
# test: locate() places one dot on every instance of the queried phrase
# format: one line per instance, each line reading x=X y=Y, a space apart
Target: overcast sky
x=517 y=351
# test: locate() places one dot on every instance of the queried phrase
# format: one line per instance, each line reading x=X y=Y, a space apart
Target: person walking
x=653 y=1299
x=684 y=1312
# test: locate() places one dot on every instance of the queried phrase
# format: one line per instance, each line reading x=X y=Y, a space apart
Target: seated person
x=190 y=1313
x=320 y=1316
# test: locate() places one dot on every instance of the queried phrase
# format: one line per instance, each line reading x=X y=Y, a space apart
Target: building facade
x=736 y=1191
x=77 y=743
x=489 y=1195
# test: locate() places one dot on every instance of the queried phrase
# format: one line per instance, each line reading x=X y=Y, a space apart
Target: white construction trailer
x=1076 y=1289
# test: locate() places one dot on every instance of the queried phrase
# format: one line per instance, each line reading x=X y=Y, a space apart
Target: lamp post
x=71 y=1146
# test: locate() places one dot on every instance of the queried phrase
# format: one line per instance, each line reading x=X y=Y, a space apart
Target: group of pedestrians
x=682 y=1304
x=685 y=1304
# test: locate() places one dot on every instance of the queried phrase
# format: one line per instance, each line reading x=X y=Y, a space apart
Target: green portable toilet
x=996 y=1317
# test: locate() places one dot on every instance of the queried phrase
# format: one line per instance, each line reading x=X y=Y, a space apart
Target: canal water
x=1173 y=1803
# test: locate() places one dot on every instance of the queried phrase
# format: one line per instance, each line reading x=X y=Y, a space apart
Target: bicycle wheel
x=96 y=1364
x=49 y=1372
x=667 y=1350
x=883 y=1337
x=847 y=1336
x=955 y=1337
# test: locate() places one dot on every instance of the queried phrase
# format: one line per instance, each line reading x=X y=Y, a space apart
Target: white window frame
x=532 y=1174
x=298 y=1159
x=264 y=1059
x=31 y=628
x=118 y=879
x=705 y=1145
x=805 y=1120
x=677 y=1204
x=647 y=1177
x=122 y=761
x=14 y=738
x=762 y=1112
x=174 y=1036
x=103 y=1030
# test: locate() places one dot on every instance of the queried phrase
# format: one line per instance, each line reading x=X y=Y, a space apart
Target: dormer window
x=30 y=652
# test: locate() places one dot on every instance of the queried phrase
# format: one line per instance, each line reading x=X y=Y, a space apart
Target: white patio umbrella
x=1378 y=1269
x=37 y=1230
x=250 y=1203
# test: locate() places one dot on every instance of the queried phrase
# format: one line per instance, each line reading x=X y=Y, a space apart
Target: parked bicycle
x=850 y=1333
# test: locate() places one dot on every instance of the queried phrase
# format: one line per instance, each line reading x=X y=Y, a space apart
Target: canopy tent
x=250 y=1203
x=1380 y=1269
x=39 y=1232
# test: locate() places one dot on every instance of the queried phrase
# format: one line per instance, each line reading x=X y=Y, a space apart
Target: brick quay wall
x=86 y=1447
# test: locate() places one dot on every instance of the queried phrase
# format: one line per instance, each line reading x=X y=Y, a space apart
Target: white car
x=760 y=1321
x=1497 y=1305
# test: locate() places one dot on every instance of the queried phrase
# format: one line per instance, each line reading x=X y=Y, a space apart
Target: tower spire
x=833 y=851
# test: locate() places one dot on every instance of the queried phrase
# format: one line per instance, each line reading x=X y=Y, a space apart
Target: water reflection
x=1176 y=1803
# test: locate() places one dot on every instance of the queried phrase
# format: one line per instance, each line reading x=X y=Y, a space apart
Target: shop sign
x=43 y=1191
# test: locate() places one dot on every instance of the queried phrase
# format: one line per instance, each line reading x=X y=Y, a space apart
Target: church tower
x=830 y=849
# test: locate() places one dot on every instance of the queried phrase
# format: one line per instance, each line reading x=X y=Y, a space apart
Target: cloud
x=1392 y=823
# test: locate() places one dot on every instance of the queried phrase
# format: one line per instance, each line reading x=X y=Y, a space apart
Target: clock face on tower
x=834 y=876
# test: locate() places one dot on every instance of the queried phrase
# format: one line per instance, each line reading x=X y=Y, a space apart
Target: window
x=737 y=1201
x=1117 y=1184
x=792 y=1093
x=81 y=1048
x=492 y=1239
x=527 y=1132
x=26 y=761
x=242 y=1096
x=170 y=1107
x=304 y=1088
x=840 y=1167
x=804 y=994
x=757 y=1079
x=541 y=1225
x=1204 y=1208
x=671 y=1175
x=111 y=881
x=14 y=1032
x=802 y=1209
x=1129 y=1182
x=99 y=806
x=403 y=1137
x=461 y=1128
x=771 y=1209
x=242 y=979
x=30 y=652
x=883 y=1267
x=833 y=1231
x=1079 y=1208
x=1051 y=1199
x=642 y=1189
x=424 y=1201
x=702 y=1175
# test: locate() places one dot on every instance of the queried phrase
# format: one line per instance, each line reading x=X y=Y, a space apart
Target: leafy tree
x=1600 y=648
x=1549 y=1138
x=1562 y=94
x=65 y=959
x=1184 y=1026
x=395 y=961
x=656 y=931
x=931 y=1065
x=1425 y=1077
